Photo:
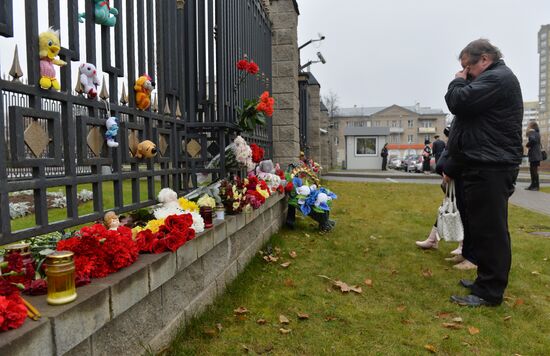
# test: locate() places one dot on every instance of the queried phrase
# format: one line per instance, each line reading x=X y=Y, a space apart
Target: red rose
x=159 y=246
x=178 y=222
x=289 y=186
x=252 y=68
x=145 y=240
x=257 y=153
x=280 y=189
x=242 y=64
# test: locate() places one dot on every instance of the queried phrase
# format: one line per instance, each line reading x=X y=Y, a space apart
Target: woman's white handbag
x=449 y=224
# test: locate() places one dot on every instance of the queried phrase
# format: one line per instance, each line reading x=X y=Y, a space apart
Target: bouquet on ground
x=166 y=234
x=309 y=197
x=99 y=252
x=233 y=195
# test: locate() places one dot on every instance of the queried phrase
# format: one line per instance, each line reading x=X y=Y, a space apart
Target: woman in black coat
x=427 y=156
x=534 y=153
x=384 y=155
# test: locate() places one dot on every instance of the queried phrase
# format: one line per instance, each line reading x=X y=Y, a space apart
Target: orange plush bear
x=143 y=88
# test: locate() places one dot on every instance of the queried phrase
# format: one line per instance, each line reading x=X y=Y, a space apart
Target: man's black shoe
x=471 y=301
x=529 y=187
x=466 y=283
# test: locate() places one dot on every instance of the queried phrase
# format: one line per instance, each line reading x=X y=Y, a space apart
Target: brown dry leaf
x=394 y=272
x=344 y=288
x=284 y=331
x=283 y=319
x=303 y=316
x=443 y=315
x=430 y=348
x=240 y=317
x=285 y=265
x=356 y=289
x=519 y=302
x=368 y=282
x=210 y=332
x=277 y=251
x=289 y=283
x=307 y=235
x=330 y=318
x=445 y=337
x=427 y=273
x=293 y=254
x=458 y=320
x=407 y=321
x=261 y=321
x=245 y=348
x=219 y=327
x=454 y=326
x=473 y=330
x=271 y=258
x=240 y=311
x=506 y=318
x=535 y=273
x=401 y=308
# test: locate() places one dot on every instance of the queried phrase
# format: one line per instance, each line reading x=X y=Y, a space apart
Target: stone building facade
x=544 y=84
x=408 y=126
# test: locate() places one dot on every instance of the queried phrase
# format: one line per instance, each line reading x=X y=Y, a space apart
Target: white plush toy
x=89 y=79
x=170 y=204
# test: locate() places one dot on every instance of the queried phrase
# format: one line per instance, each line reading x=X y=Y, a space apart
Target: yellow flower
x=188 y=205
x=154 y=225
x=236 y=205
x=206 y=200
x=264 y=193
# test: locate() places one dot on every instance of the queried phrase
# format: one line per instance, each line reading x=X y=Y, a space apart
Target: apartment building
x=544 y=84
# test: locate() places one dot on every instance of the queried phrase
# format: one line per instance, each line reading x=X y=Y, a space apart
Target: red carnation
x=12 y=312
x=36 y=287
x=242 y=64
x=15 y=262
x=280 y=189
x=257 y=153
x=159 y=246
x=289 y=186
x=252 y=68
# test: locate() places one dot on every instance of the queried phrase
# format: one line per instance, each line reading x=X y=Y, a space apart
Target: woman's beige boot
x=431 y=241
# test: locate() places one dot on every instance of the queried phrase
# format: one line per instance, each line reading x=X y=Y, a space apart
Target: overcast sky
x=388 y=52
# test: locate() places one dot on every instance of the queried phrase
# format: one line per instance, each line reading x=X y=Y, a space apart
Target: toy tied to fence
x=146 y=149
x=102 y=12
x=49 y=47
x=88 y=79
x=143 y=88
x=112 y=131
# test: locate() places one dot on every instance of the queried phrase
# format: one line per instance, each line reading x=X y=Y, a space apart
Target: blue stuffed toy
x=103 y=14
x=112 y=131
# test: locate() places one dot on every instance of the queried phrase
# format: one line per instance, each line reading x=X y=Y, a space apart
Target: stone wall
x=140 y=307
x=286 y=59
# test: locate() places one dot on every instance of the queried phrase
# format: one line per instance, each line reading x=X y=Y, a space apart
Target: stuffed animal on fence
x=48 y=48
x=88 y=79
x=146 y=149
x=103 y=13
x=143 y=88
x=112 y=131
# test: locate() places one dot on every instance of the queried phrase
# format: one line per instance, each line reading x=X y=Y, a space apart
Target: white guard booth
x=364 y=145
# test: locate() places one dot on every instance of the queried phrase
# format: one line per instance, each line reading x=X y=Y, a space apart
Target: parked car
x=395 y=163
x=409 y=162
x=418 y=166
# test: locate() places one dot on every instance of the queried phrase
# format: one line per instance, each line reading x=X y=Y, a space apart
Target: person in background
x=384 y=155
x=485 y=139
x=438 y=147
x=426 y=156
x=534 y=153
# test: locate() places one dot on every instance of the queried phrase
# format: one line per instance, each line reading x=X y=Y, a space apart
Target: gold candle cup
x=61 y=277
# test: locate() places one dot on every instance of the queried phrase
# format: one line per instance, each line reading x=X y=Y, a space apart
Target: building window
x=369 y=124
x=395 y=139
x=336 y=140
x=365 y=146
x=410 y=123
x=410 y=138
x=349 y=123
x=377 y=123
x=425 y=123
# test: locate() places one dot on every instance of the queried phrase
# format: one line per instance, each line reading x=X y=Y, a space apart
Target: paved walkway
x=535 y=201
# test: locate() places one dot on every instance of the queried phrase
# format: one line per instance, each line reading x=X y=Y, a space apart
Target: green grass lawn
x=545 y=189
x=404 y=310
x=60 y=214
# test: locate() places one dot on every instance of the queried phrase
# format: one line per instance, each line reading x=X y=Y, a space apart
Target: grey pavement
x=534 y=201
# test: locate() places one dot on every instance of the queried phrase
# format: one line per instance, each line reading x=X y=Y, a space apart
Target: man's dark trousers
x=486 y=193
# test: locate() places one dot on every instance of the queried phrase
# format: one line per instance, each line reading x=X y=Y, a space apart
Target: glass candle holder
x=206 y=213
x=61 y=277
x=220 y=212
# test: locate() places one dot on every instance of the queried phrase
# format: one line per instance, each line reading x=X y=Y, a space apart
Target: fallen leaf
x=535 y=273
x=473 y=330
x=303 y=316
x=443 y=315
x=445 y=337
x=407 y=321
x=329 y=290
x=285 y=265
x=344 y=288
x=289 y=282
x=401 y=308
x=271 y=258
x=458 y=320
x=427 y=272
x=452 y=326
x=518 y=302
x=219 y=327
x=210 y=332
x=430 y=348
x=506 y=318
x=307 y=235
x=293 y=254
x=284 y=331
x=330 y=318
x=366 y=250
x=240 y=317
x=240 y=310
x=283 y=319
x=545 y=259
x=356 y=289
x=394 y=272
x=261 y=321
x=277 y=251
x=368 y=282
x=372 y=237
x=245 y=348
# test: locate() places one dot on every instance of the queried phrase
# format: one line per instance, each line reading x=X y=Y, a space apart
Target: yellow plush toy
x=49 y=47
x=143 y=88
x=146 y=149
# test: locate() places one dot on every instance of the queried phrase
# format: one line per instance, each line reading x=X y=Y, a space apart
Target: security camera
x=321 y=37
x=321 y=58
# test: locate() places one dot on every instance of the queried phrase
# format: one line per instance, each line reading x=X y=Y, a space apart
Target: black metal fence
x=53 y=139
x=303 y=85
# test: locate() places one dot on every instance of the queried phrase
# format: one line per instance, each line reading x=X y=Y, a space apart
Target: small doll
x=112 y=131
x=48 y=49
x=111 y=221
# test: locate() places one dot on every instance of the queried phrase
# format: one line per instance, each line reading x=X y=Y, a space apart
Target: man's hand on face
x=463 y=73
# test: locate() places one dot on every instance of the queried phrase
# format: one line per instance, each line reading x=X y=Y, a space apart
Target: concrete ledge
x=140 y=307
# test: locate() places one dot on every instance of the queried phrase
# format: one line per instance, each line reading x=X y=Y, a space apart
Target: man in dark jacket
x=438 y=147
x=485 y=142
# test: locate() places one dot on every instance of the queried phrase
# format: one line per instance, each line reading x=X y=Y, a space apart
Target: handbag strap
x=450 y=195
